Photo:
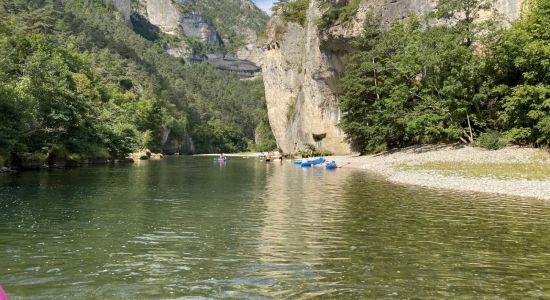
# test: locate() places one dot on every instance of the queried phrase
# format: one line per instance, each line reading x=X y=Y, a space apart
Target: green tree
x=419 y=82
x=520 y=69
x=75 y=81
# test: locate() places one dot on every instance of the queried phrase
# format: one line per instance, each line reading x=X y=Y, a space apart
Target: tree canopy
x=433 y=79
x=77 y=82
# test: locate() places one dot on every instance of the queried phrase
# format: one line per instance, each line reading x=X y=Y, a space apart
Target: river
x=189 y=228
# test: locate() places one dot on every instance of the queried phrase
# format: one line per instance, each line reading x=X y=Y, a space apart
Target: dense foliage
x=77 y=83
x=427 y=81
x=337 y=11
x=232 y=18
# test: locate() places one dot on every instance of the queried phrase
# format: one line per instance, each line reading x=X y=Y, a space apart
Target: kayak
x=306 y=164
x=331 y=165
x=3 y=295
x=298 y=162
x=319 y=160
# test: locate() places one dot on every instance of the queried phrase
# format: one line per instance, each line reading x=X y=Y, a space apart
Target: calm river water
x=188 y=228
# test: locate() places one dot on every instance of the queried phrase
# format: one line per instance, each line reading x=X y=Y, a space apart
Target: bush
x=338 y=13
x=31 y=160
x=294 y=11
x=491 y=140
x=543 y=128
x=521 y=136
x=311 y=150
x=58 y=153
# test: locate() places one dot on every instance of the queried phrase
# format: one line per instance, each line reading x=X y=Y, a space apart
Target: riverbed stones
x=388 y=165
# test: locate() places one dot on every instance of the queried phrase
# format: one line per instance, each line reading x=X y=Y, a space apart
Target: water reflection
x=300 y=233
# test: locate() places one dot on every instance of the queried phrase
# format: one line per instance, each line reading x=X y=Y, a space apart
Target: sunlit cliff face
x=302 y=67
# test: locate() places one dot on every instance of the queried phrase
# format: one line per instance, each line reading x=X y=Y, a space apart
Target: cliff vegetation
x=337 y=11
x=292 y=11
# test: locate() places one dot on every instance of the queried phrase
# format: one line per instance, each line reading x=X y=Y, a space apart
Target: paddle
x=344 y=165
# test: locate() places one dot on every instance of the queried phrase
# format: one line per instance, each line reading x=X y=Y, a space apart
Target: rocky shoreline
x=390 y=165
x=63 y=164
x=144 y=155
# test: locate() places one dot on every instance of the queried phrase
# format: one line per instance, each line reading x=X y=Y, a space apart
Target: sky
x=264 y=4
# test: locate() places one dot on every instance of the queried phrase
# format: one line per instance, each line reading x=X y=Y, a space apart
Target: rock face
x=301 y=69
x=199 y=28
x=166 y=16
x=124 y=6
x=300 y=79
x=511 y=9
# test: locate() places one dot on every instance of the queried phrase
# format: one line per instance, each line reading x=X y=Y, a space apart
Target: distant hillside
x=77 y=83
x=200 y=31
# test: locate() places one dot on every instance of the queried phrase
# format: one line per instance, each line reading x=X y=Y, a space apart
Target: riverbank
x=515 y=171
x=242 y=154
x=46 y=161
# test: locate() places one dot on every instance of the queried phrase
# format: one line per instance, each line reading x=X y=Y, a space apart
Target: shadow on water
x=245 y=229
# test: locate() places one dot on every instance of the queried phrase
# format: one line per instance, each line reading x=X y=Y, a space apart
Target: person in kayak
x=3 y=295
x=222 y=157
x=268 y=157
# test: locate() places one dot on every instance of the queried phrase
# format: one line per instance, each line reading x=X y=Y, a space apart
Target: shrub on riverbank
x=492 y=140
x=312 y=151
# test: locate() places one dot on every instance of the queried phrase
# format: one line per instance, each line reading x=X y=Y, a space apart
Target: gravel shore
x=389 y=165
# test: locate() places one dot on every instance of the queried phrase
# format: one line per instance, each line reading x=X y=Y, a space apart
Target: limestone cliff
x=170 y=17
x=302 y=66
x=124 y=7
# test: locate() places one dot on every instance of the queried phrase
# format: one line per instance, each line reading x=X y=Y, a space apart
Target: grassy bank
x=529 y=171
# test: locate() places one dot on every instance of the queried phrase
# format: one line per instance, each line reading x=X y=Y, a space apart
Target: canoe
x=331 y=165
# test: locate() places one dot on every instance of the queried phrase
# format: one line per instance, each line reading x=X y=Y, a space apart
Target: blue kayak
x=331 y=165
x=306 y=164
x=297 y=162
x=319 y=160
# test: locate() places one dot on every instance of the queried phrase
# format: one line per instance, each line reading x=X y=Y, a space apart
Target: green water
x=188 y=228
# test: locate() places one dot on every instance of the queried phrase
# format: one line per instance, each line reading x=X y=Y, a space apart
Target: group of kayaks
x=301 y=162
x=317 y=161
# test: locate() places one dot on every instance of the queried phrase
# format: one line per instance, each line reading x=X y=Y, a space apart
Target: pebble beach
x=390 y=165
